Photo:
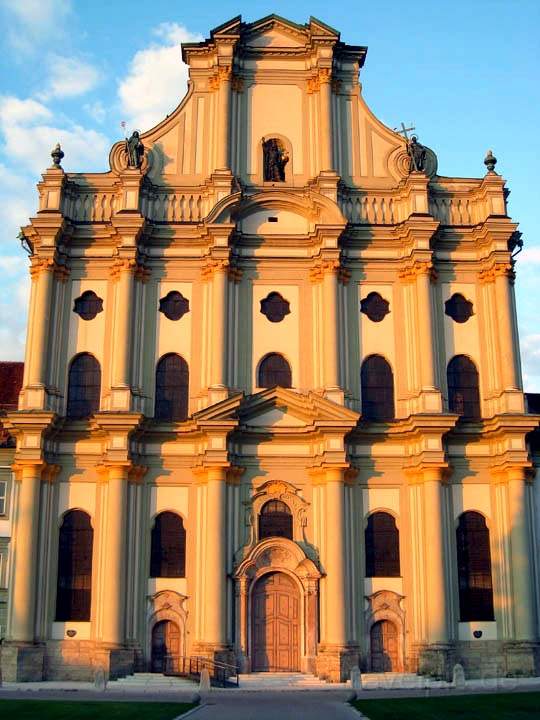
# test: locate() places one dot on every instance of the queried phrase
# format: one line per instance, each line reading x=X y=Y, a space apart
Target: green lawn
x=89 y=710
x=503 y=706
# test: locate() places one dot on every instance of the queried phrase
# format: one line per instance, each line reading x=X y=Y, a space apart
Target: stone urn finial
x=57 y=155
x=490 y=161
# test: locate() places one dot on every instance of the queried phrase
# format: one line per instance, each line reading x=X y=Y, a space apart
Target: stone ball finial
x=57 y=155
x=490 y=161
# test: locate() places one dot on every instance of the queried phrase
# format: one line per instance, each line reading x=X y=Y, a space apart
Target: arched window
x=382 y=546
x=377 y=389
x=74 y=587
x=463 y=392
x=172 y=388
x=274 y=370
x=275 y=520
x=474 y=568
x=168 y=552
x=84 y=387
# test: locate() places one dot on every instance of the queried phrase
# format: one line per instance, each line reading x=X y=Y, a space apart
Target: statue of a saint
x=134 y=150
x=275 y=159
x=417 y=153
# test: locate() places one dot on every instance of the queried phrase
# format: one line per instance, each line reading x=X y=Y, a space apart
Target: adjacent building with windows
x=272 y=409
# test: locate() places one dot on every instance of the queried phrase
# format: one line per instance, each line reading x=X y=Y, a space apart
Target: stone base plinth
x=334 y=664
x=437 y=660
x=22 y=662
x=79 y=660
x=522 y=659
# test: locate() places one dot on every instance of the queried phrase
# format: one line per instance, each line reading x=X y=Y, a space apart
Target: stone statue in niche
x=275 y=158
x=417 y=153
x=134 y=150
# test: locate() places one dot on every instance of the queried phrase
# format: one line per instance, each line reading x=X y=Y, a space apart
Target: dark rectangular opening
x=272 y=219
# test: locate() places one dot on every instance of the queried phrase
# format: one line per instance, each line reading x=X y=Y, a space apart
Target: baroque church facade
x=272 y=411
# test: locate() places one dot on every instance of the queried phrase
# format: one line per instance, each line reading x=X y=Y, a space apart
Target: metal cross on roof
x=405 y=130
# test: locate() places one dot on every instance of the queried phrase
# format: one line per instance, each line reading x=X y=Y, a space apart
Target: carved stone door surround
x=270 y=556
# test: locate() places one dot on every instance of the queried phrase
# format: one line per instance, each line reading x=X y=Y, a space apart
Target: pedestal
x=334 y=663
x=22 y=662
x=522 y=659
x=437 y=660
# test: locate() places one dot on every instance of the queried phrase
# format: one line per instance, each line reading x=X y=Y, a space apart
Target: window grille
x=74 y=586
x=474 y=568
x=172 y=389
x=274 y=370
x=168 y=551
x=84 y=387
x=3 y=497
x=382 y=546
x=377 y=389
x=463 y=388
x=275 y=520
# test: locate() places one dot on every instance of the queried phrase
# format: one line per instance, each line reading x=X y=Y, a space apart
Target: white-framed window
x=3 y=497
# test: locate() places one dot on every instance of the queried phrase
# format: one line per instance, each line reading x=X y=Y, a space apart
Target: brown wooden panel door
x=384 y=647
x=165 y=643
x=276 y=624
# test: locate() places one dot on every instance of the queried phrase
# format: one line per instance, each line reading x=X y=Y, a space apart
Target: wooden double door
x=384 y=647
x=276 y=624
x=165 y=646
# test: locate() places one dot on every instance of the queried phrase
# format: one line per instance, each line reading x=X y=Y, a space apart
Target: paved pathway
x=234 y=705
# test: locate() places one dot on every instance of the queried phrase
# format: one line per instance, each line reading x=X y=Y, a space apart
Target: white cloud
x=157 y=78
x=96 y=111
x=33 y=23
x=528 y=256
x=530 y=354
x=69 y=77
x=14 y=111
x=29 y=142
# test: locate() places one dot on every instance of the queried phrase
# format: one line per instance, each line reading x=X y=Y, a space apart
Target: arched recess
x=275 y=520
x=83 y=387
x=166 y=605
x=277 y=555
x=385 y=605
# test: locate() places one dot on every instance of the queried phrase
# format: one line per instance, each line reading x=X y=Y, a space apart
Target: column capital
x=46 y=471
x=327 y=472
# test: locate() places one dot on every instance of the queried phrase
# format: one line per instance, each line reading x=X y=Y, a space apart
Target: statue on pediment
x=275 y=158
x=417 y=153
x=134 y=150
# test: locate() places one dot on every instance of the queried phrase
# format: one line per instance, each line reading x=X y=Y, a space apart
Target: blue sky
x=466 y=73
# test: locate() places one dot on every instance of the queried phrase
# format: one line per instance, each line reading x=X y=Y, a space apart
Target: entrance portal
x=384 y=647
x=276 y=623
x=165 y=646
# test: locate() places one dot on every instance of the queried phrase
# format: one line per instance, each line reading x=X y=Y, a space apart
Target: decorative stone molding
x=214 y=266
x=487 y=275
x=237 y=84
x=276 y=490
x=323 y=267
x=166 y=605
x=410 y=271
x=223 y=74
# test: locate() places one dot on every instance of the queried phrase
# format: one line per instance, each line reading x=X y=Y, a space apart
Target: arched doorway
x=165 y=646
x=276 y=624
x=384 y=647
